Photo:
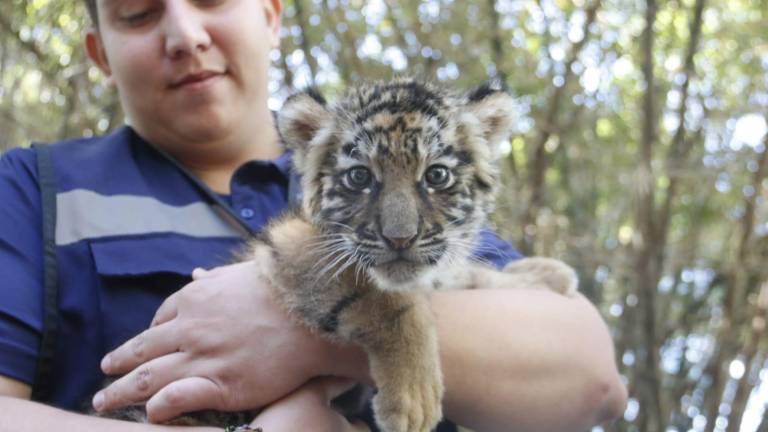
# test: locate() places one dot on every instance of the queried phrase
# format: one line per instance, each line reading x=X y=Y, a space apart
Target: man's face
x=187 y=70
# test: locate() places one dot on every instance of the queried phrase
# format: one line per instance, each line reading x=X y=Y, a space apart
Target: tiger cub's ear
x=300 y=119
x=494 y=110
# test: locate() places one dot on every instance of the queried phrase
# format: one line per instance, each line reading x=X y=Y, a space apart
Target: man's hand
x=309 y=409
x=219 y=343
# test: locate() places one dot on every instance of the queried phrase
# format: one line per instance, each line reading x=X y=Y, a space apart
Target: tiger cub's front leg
x=395 y=329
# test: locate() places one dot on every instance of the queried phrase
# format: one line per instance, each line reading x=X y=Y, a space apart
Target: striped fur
x=398 y=178
x=398 y=131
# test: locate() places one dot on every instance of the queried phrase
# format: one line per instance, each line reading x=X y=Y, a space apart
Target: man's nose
x=185 y=31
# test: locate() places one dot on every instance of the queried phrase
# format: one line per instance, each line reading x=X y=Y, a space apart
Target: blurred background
x=639 y=156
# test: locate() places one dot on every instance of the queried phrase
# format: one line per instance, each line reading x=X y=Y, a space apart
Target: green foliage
x=49 y=88
x=588 y=121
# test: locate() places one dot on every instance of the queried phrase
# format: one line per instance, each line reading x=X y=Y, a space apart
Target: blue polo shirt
x=131 y=226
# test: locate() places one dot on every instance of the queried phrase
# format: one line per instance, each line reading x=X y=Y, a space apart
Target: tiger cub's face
x=399 y=174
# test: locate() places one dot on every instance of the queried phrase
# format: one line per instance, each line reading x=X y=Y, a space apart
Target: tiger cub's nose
x=400 y=243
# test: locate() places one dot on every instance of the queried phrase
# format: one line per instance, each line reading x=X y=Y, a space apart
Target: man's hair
x=92 y=11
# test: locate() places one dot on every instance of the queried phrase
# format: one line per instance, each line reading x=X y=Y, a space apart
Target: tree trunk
x=547 y=129
x=301 y=20
x=348 y=54
x=72 y=105
x=287 y=72
x=649 y=380
x=497 y=47
x=680 y=147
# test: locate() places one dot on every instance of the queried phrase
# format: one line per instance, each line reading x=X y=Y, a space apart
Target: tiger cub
x=398 y=179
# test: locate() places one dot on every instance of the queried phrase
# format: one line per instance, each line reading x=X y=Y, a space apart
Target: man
x=138 y=210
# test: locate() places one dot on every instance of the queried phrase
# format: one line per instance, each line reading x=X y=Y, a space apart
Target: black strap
x=294 y=190
x=222 y=208
x=41 y=389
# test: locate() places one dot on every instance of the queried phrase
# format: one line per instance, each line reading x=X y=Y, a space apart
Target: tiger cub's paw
x=416 y=407
x=548 y=273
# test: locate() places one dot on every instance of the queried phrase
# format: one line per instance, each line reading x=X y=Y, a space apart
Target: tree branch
x=540 y=161
x=305 y=46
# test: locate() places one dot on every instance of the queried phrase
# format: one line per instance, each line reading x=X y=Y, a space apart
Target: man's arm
x=14 y=388
x=510 y=357
x=21 y=414
x=521 y=359
x=526 y=360
x=309 y=405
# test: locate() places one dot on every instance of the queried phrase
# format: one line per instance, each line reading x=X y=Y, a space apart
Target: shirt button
x=246 y=213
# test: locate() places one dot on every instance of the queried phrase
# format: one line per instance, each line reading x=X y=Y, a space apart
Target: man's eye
x=138 y=18
x=358 y=178
x=210 y=2
x=437 y=176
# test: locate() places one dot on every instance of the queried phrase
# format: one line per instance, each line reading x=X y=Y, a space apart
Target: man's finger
x=183 y=396
x=167 y=310
x=141 y=383
x=151 y=343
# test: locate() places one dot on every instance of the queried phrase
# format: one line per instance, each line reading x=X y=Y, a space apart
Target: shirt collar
x=282 y=163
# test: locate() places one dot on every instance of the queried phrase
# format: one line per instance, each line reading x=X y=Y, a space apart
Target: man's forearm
x=23 y=415
x=525 y=360
x=518 y=360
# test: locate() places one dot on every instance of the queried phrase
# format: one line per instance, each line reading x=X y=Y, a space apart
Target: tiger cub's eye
x=437 y=176
x=358 y=178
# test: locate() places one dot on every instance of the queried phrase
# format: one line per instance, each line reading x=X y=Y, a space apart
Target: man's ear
x=272 y=12
x=495 y=111
x=95 y=49
x=300 y=119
